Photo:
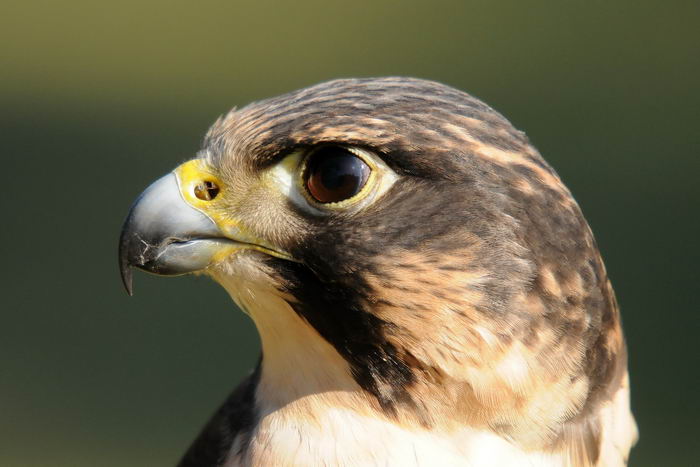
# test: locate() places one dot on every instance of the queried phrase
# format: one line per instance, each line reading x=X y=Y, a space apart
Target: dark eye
x=335 y=174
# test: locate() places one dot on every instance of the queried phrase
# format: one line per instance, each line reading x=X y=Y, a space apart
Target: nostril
x=206 y=190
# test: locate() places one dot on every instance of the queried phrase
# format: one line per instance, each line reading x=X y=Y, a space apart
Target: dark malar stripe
x=337 y=312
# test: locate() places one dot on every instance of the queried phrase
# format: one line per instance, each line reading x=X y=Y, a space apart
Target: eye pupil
x=335 y=174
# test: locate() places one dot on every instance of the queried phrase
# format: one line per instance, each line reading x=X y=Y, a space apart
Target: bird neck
x=306 y=384
x=297 y=362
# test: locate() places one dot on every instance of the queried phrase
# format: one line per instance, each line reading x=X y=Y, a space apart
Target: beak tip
x=127 y=280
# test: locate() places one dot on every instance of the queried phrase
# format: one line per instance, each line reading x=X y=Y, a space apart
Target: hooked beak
x=164 y=235
x=177 y=226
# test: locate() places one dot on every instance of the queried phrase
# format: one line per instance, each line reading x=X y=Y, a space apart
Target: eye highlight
x=334 y=174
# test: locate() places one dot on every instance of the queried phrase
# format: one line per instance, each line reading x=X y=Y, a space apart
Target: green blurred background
x=98 y=99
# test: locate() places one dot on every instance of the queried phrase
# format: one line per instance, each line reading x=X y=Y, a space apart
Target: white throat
x=297 y=361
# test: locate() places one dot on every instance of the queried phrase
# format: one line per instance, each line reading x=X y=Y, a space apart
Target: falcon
x=426 y=289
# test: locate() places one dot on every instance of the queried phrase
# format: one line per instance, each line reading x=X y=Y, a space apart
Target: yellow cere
x=195 y=172
x=189 y=176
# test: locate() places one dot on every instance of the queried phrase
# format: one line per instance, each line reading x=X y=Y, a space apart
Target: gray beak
x=164 y=235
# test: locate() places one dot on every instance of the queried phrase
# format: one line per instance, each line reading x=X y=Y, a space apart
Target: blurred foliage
x=101 y=98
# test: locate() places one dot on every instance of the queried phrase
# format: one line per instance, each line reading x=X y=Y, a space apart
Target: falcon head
x=403 y=251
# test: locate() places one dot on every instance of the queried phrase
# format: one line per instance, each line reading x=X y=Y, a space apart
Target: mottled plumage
x=461 y=315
